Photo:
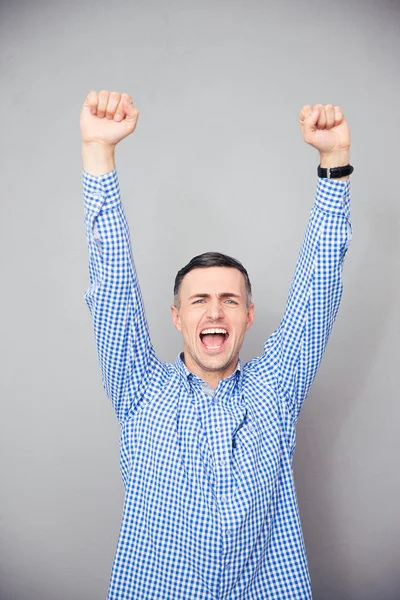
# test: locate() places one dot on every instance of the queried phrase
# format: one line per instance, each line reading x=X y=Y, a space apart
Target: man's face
x=213 y=317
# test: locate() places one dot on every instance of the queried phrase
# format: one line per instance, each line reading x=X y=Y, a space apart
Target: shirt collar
x=188 y=376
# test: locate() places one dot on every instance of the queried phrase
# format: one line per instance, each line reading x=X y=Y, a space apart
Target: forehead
x=213 y=280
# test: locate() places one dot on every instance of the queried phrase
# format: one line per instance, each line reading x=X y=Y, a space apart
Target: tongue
x=213 y=339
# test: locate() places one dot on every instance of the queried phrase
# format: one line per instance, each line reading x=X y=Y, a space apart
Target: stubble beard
x=218 y=367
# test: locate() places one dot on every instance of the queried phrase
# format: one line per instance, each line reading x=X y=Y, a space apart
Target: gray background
x=217 y=163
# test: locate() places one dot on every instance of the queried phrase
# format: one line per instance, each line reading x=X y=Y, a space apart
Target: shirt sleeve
x=125 y=352
x=295 y=349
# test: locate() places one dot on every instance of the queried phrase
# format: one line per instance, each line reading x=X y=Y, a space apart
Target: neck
x=209 y=376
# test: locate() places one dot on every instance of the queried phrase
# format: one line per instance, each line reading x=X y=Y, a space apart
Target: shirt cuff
x=101 y=192
x=333 y=196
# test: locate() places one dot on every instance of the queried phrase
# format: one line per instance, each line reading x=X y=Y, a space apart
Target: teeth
x=213 y=331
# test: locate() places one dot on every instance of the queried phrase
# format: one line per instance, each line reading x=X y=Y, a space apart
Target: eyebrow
x=222 y=295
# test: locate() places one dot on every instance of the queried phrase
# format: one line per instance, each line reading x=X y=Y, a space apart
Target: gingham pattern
x=210 y=504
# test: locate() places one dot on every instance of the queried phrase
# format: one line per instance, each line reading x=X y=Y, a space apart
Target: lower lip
x=214 y=349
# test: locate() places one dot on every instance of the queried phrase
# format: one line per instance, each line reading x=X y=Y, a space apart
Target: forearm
x=97 y=158
x=295 y=349
x=316 y=295
x=114 y=297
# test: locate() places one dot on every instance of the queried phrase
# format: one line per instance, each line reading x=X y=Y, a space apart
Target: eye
x=200 y=300
x=230 y=301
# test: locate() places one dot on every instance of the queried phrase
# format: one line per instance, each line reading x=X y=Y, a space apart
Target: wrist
x=98 y=158
x=337 y=158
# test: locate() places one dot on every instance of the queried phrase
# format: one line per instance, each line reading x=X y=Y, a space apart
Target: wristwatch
x=334 y=172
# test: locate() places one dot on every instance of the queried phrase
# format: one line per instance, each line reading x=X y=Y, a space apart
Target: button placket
x=220 y=427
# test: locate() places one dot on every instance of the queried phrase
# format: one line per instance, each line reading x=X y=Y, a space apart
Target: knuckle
x=103 y=97
x=92 y=99
x=128 y=97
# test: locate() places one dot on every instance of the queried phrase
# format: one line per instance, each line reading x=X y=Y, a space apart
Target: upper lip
x=209 y=330
x=213 y=330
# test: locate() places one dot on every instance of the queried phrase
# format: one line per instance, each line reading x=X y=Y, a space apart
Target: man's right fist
x=107 y=118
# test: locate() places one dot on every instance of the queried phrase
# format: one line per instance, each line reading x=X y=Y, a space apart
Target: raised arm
x=294 y=351
x=126 y=355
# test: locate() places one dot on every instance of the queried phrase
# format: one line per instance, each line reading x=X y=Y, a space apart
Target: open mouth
x=214 y=338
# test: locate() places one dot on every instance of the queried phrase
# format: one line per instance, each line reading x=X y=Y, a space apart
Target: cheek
x=241 y=326
x=189 y=326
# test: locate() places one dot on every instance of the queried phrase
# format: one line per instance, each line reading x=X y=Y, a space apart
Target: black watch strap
x=335 y=172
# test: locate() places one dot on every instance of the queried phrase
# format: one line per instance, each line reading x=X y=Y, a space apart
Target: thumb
x=126 y=110
x=130 y=110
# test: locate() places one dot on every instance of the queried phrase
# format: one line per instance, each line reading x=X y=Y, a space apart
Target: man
x=207 y=443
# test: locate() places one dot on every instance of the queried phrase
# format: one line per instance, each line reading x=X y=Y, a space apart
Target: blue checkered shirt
x=210 y=503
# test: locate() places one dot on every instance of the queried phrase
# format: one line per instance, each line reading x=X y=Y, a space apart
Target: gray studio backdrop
x=217 y=163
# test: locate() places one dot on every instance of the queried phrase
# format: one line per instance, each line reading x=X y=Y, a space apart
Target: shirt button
x=222 y=498
x=228 y=532
x=218 y=429
x=227 y=565
x=222 y=462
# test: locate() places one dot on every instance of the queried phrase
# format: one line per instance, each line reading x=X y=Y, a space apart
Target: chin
x=216 y=365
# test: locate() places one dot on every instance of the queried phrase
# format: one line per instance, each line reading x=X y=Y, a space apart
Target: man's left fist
x=325 y=128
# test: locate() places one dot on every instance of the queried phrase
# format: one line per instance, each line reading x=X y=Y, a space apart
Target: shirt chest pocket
x=245 y=444
x=256 y=453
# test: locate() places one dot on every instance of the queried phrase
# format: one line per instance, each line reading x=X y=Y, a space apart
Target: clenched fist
x=325 y=128
x=107 y=118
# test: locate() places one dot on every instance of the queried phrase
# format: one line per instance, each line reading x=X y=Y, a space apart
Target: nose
x=215 y=310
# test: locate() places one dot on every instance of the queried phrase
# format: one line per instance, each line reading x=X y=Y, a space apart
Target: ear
x=250 y=316
x=175 y=317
